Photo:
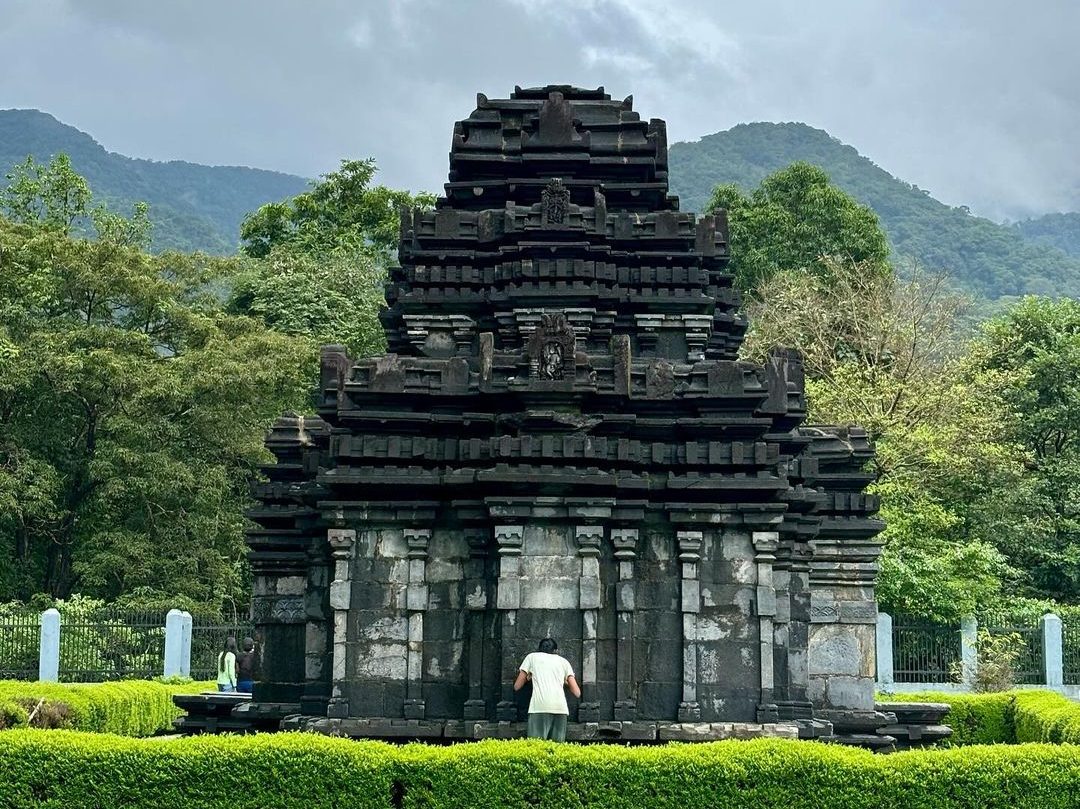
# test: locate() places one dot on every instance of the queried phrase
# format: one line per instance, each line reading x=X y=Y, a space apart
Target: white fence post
x=1053 y=661
x=969 y=651
x=49 y=650
x=185 y=646
x=884 y=651
x=174 y=638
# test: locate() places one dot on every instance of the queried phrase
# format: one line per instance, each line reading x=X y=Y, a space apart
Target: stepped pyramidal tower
x=562 y=442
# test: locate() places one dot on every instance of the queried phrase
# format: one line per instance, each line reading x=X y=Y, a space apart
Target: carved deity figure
x=556 y=201
x=551 y=363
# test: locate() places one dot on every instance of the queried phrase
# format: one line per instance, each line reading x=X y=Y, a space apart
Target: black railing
x=20 y=637
x=1029 y=668
x=112 y=644
x=1070 y=653
x=924 y=653
x=208 y=640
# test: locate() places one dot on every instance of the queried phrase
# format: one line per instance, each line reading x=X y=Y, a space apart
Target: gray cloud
x=975 y=101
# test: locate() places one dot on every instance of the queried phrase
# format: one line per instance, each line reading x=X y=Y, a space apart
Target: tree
x=342 y=211
x=1035 y=345
x=331 y=299
x=53 y=195
x=887 y=353
x=132 y=414
x=794 y=220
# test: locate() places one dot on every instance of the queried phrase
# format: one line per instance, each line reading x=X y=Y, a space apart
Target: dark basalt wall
x=562 y=442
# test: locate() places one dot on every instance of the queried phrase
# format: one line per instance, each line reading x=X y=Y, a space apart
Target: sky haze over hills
x=975 y=101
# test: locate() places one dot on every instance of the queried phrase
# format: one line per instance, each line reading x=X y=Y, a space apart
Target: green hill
x=981 y=256
x=193 y=207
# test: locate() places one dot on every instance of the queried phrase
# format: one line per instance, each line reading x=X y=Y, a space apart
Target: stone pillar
x=884 y=647
x=969 y=649
x=341 y=543
x=589 y=538
x=49 y=650
x=689 y=547
x=508 y=539
x=1053 y=660
x=174 y=639
x=625 y=542
x=185 y=645
x=765 y=545
x=416 y=599
x=476 y=603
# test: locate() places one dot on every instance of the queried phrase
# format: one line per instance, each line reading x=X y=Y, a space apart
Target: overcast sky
x=978 y=101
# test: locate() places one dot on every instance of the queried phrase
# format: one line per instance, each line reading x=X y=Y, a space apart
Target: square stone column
x=508 y=540
x=588 y=539
x=416 y=598
x=765 y=545
x=476 y=603
x=625 y=542
x=341 y=544
x=689 y=548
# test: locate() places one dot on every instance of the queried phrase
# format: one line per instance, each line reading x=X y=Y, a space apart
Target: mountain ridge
x=193 y=206
x=981 y=256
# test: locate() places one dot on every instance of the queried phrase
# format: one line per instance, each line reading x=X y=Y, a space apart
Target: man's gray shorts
x=550 y=726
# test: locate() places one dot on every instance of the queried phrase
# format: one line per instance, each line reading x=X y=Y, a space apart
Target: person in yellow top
x=551 y=674
x=226 y=666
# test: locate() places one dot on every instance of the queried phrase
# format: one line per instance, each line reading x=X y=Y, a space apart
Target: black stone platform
x=618 y=732
x=216 y=712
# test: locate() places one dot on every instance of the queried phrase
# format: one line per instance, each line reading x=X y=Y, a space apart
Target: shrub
x=1044 y=716
x=974 y=718
x=1006 y=717
x=127 y=708
x=286 y=770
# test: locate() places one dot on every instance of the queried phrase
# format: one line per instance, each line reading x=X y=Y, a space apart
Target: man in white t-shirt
x=550 y=674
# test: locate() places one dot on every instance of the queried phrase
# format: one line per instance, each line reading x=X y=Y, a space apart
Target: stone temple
x=562 y=442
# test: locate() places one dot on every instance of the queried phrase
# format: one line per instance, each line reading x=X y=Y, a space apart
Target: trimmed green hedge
x=126 y=708
x=68 y=769
x=1006 y=717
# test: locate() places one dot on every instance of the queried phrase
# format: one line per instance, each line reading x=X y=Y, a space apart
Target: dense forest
x=193 y=207
x=1060 y=230
x=980 y=256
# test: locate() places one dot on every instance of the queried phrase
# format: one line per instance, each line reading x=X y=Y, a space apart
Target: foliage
x=288 y=770
x=885 y=352
x=792 y=221
x=329 y=299
x=1043 y=716
x=1060 y=230
x=341 y=211
x=132 y=412
x=996 y=657
x=979 y=256
x=987 y=718
x=1006 y=717
x=192 y=207
x=1034 y=347
x=128 y=708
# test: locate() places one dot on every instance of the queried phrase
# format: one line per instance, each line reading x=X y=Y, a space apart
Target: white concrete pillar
x=885 y=666
x=185 y=646
x=1053 y=660
x=174 y=640
x=49 y=650
x=969 y=649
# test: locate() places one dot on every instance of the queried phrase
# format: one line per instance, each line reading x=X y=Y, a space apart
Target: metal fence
x=207 y=642
x=1029 y=664
x=20 y=637
x=924 y=653
x=1070 y=652
x=112 y=644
